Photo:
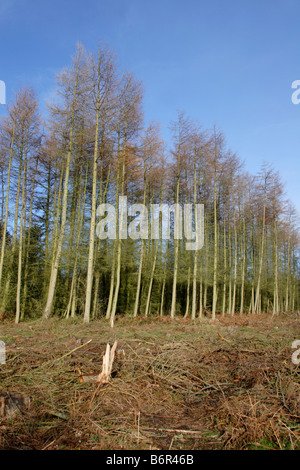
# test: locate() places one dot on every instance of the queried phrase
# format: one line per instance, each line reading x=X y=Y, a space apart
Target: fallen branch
x=224 y=339
x=176 y=431
x=73 y=350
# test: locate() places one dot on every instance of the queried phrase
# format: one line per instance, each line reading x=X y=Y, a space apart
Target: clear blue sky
x=225 y=62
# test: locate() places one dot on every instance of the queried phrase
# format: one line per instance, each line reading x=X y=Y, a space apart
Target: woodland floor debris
x=228 y=384
x=10 y=404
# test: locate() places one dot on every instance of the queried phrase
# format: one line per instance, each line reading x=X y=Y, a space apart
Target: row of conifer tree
x=94 y=147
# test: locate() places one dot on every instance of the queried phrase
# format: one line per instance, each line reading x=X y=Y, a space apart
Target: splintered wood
x=104 y=376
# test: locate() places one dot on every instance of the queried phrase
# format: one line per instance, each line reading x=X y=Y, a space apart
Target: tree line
x=94 y=148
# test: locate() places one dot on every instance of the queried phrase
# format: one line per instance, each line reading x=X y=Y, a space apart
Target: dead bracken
x=227 y=384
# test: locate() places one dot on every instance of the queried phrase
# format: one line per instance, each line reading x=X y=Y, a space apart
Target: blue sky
x=229 y=63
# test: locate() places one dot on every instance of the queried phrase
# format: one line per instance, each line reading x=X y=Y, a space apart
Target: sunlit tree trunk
x=7 y=201
x=21 y=241
x=25 y=289
x=58 y=248
x=89 y=282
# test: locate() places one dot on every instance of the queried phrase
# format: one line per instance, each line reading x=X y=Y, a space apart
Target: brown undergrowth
x=227 y=384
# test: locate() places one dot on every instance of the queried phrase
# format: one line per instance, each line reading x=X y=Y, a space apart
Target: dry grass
x=228 y=384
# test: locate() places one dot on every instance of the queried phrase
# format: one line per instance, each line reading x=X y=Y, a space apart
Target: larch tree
x=72 y=84
x=103 y=82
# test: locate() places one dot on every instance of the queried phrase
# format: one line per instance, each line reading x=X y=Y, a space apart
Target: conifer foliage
x=95 y=149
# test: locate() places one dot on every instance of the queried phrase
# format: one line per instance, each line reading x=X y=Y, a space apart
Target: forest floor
x=223 y=384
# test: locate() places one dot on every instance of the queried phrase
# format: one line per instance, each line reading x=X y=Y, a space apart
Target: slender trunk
x=187 y=308
x=25 y=289
x=112 y=283
x=14 y=240
x=55 y=266
x=6 y=204
x=164 y=281
x=200 y=296
x=81 y=205
x=151 y=281
x=287 y=276
x=89 y=283
x=230 y=269
x=225 y=269
x=96 y=293
x=275 y=295
x=194 y=293
x=235 y=266
x=176 y=240
x=257 y=295
x=215 y=293
x=243 y=264
x=139 y=280
x=21 y=242
x=118 y=242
